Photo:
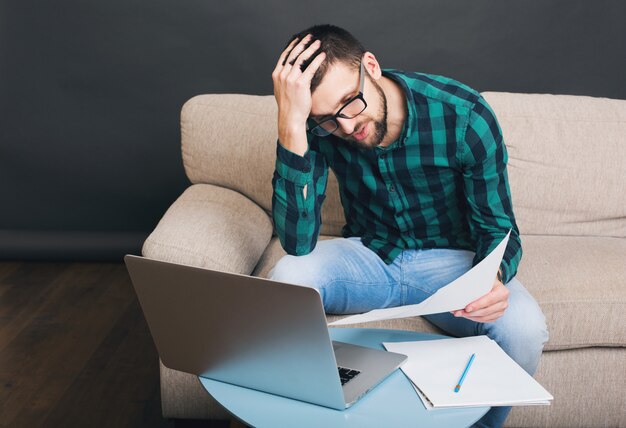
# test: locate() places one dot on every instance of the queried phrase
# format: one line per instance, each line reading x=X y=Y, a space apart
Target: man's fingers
x=488 y=308
x=487 y=311
x=497 y=294
x=313 y=66
x=283 y=56
x=296 y=51
x=483 y=302
x=486 y=319
x=294 y=55
x=308 y=52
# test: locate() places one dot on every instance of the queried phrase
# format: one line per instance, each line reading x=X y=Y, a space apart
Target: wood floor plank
x=6 y=269
x=19 y=283
x=65 y=332
x=22 y=292
x=29 y=274
x=75 y=350
x=112 y=387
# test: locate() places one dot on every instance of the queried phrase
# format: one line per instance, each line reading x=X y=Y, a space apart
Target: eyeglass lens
x=349 y=111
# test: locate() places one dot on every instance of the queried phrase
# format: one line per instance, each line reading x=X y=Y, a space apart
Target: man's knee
x=322 y=265
x=528 y=316
x=529 y=330
x=522 y=330
x=300 y=270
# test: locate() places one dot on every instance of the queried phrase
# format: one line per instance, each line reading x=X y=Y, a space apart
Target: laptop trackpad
x=374 y=365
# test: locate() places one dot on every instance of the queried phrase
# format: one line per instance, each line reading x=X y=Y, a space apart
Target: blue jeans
x=352 y=279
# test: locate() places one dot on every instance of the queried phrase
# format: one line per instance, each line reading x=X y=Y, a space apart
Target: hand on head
x=292 y=85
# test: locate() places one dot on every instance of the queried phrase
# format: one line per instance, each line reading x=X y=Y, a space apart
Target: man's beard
x=380 y=126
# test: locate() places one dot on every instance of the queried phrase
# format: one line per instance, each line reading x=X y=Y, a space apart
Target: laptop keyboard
x=346 y=375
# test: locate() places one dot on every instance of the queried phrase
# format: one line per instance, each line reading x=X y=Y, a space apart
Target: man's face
x=340 y=83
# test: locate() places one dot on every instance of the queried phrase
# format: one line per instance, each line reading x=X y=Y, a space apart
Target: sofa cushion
x=211 y=227
x=230 y=140
x=579 y=282
x=567 y=162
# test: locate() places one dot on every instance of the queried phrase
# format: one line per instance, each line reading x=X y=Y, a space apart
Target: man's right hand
x=292 y=90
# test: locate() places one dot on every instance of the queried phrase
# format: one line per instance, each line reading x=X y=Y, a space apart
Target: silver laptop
x=253 y=332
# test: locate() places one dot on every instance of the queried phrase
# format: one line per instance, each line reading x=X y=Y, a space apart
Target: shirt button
x=392 y=188
x=383 y=156
x=304 y=214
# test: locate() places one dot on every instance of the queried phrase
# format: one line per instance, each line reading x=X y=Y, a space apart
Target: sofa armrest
x=211 y=227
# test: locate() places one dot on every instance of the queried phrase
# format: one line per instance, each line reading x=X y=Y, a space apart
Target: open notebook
x=494 y=379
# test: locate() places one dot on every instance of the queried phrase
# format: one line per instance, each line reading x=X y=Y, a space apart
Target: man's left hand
x=488 y=308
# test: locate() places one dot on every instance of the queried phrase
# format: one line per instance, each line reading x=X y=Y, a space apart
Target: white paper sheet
x=494 y=379
x=472 y=285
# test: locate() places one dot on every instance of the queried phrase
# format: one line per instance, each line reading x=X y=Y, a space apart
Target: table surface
x=393 y=402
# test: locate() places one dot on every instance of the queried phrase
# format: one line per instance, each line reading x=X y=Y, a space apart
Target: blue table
x=393 y=403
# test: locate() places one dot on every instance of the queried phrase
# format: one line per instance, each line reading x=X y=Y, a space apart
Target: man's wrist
x=294 y=140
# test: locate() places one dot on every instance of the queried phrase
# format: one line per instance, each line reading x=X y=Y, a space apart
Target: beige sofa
x=567 y=169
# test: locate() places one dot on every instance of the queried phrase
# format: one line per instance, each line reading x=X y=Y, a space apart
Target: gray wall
x=90 y=91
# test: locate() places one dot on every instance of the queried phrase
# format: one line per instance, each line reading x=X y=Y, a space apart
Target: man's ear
x=371 y=65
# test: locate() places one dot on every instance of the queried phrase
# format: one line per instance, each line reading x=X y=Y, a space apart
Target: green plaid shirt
x=442 y=184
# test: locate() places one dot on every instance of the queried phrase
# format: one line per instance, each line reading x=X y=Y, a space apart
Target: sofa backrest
x=567 y=162
x=567 y=157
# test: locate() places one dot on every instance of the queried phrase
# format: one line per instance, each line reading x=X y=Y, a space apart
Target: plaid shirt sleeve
x=484 y=158
x=297 y=219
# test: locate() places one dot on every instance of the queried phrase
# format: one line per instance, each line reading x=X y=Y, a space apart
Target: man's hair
x=339 y=46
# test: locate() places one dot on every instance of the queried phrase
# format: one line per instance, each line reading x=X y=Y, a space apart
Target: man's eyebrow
x=343 y=100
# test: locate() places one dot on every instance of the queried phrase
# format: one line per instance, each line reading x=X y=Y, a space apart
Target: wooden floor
x=75 y=350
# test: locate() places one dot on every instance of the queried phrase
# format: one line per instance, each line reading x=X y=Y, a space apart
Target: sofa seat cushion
x=579 y=282
x=211 y=227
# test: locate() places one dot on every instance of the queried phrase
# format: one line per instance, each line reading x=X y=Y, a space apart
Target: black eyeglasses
x=351 y=109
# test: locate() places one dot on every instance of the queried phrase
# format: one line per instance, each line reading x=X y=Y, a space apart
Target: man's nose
x=346 y=125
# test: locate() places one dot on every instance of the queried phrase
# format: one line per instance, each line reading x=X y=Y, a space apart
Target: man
x=421 y=167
